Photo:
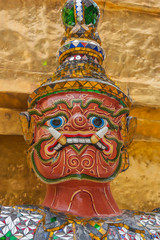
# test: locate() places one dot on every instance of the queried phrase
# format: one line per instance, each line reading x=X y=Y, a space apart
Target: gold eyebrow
x=35 y=112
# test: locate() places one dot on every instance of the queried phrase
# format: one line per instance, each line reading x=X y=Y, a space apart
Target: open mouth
x=77 y=140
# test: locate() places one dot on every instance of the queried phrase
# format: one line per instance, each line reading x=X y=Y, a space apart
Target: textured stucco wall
x=30 y=34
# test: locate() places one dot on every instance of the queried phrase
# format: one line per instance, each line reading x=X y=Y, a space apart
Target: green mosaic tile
x=9 y=234
x=91 y=14
x=97 y=226
x=53 y=219
x=13 y=238
x=68 y=16
x=55 y=237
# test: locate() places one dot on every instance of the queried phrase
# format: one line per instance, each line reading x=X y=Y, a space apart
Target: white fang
x=102 y=132
x=54 y=132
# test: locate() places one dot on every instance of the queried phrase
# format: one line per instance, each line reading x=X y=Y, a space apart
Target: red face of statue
x=76 y=118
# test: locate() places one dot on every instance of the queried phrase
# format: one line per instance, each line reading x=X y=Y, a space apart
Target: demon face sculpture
x=77 y=136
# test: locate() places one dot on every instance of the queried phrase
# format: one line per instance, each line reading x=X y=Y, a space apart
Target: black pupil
x=97 y=122
x=56 y=122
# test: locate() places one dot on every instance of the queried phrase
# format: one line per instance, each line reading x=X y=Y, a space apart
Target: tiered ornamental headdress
x=80 y=57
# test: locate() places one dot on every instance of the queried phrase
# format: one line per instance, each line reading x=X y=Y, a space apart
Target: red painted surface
x=77 y=196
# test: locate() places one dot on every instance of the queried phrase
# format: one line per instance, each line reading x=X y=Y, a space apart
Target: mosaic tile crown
x=80 y=18
x=80 y=56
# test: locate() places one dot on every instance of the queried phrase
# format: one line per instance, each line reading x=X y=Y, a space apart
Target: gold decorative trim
x=79 y=85
x=78 y=50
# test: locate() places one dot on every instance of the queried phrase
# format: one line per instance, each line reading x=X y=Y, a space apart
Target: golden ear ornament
x=28 y=126
x=129 y=125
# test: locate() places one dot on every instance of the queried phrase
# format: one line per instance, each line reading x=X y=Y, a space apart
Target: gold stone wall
x=30 y=33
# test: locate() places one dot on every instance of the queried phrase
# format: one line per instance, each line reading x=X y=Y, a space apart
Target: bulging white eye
x=98 y=122
x=56 y=122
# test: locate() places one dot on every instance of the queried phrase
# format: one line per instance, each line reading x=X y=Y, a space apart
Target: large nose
x=78 y=121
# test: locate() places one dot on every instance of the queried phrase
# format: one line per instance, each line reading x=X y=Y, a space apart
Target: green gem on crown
x=91 y=14
x=68 y=16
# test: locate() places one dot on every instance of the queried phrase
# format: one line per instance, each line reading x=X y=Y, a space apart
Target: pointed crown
x=80 y=57
x=80 y=18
